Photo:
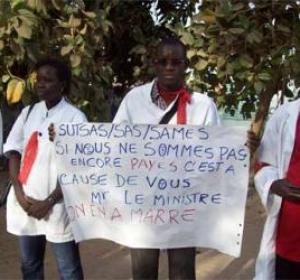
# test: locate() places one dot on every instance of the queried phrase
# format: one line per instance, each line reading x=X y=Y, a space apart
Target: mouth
x=169 y=76
x=40 y=91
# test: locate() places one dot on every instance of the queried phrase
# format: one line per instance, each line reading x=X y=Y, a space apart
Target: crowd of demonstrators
x=278 y=184
x=35 y=208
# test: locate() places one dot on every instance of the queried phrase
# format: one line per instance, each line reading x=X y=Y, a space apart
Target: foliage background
x=241 y=52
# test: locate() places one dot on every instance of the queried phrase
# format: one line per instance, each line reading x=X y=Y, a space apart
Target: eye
x=174 y=62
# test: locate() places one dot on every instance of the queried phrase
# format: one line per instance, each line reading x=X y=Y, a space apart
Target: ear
x=62 y=87
x=187 y=63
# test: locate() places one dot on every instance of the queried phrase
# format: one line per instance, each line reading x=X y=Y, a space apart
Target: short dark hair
x=172 y=41
x=63 y=71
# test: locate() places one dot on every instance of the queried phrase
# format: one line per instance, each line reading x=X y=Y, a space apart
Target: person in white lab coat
x=147 y=104
x=35 y=207
x=278 y=184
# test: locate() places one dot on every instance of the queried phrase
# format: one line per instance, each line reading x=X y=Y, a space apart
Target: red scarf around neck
x=183 y=98
x=29 y=157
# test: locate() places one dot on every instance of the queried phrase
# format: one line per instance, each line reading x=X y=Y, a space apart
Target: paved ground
x=106 y=260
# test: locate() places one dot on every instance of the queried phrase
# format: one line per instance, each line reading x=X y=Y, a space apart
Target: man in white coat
x=148 y=104
x=278 y=184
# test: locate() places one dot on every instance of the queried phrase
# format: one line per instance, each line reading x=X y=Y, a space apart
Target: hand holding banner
x=155 y=186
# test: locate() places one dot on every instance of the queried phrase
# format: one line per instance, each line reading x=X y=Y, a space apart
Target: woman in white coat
x=35 y=207
x=277 y=183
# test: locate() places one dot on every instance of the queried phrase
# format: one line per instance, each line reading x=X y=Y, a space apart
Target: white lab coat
x=43 y=176
x=275 y=149
x=137 y=107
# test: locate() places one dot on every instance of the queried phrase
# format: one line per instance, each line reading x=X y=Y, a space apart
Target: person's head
x=53 y=79
x=170 y=63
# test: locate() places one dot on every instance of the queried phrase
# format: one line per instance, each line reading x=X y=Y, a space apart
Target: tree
x=241 y=52
x=244 y=52
x=107 y=43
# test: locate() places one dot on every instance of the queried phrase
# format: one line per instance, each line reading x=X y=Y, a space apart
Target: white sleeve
x=79 y=117
x=212 y=116
x=15 y=139
x=267 y=155
x=263 y=180
x=123 y=114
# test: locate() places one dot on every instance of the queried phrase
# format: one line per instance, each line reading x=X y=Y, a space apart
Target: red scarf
x=29 y=157
x=183 y=98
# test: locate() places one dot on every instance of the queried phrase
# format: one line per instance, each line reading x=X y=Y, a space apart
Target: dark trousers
x=285 y=269
x=144 y=263
x=32 y=256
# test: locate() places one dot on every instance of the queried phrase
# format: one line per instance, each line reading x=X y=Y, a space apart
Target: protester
x=278 y=183
x=149 y=104
x=35 y=206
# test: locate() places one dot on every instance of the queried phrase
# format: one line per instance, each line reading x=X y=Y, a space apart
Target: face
x=48 y=86
x=170 y=66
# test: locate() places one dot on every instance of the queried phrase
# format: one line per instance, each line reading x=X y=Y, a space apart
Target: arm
x=286 y=190
x=14 y=167
x=268 y=180
x=212 y=116
x=39 y=209
x=13 y=149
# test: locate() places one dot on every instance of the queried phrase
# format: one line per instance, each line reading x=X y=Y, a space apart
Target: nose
x=40 y=83
x=169 y=64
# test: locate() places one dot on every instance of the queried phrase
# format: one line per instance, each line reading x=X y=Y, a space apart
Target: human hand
x=286 y=190
x=51 y=132
x=38 y=208
x=253 y=141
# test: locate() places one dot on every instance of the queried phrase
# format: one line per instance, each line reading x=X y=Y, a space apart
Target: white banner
x=155 y=186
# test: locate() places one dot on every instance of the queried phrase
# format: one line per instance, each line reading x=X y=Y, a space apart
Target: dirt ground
x=106 y=260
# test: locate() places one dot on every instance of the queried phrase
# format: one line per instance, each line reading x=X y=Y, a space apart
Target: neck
x=51 y=103
x=169 y=94
x=170 y=88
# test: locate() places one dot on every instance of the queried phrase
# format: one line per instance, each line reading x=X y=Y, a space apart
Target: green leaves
x=254 y=37
x=75 y=60
x=66 y=49
x=250 y=50
x=208 y=16
x=228 y=44
x=201 y=65
x=264 y=76
x=246 y=61
x=236 y=31
x=24 y=30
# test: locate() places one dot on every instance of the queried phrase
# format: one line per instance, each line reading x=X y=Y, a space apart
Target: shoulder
x=73 y=110
x=139 y=91
x=288 y=108
x=200 y=99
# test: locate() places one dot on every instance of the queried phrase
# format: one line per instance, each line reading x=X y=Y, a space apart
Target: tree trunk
x=262 y=112
x=264 y=104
